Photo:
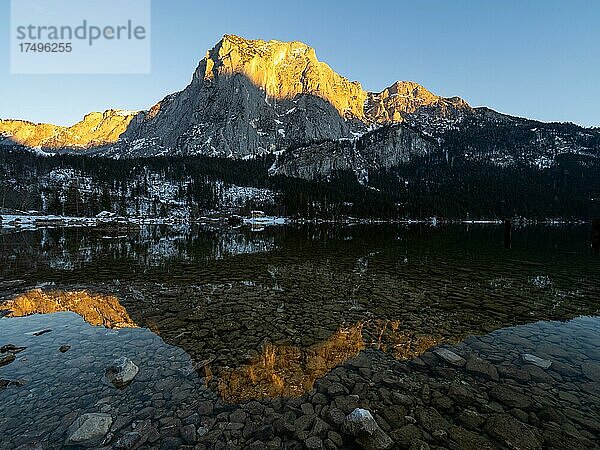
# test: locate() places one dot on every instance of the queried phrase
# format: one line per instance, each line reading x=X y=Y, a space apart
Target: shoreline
x=36 y=221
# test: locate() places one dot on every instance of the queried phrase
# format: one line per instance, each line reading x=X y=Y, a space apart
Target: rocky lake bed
x=299 y=339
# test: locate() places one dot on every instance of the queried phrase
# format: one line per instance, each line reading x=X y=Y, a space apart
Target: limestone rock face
x=249 y=97
x=379 y=149
x=411 y=102
x=96 y=128
x=252 y=97
x=284 y=70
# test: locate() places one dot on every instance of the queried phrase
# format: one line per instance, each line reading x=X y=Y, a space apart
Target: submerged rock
x=591 y=371
x=10 y=348
x=537 y=361
x=482 y=368
x=511 y=396
x=129 y=441
x=122 y=372
x=450 y=357
x=5 y=383
x=41 y=332
x=6 y=359
x=89 y=430
x=64 y=348
x=361 y=424
x=513 y=433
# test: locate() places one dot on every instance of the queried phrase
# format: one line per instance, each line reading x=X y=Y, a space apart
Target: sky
x=532 y=58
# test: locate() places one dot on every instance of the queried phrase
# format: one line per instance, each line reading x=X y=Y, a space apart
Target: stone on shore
x=450 y=357
x=513 y=433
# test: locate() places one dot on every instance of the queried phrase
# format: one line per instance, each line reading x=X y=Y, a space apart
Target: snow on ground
x=265 y=221
x=240 y=195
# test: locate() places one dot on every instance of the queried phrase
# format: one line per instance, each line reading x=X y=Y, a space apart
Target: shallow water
x=226 y=316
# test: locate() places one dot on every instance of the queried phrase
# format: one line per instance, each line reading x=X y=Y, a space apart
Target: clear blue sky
x=532 y=58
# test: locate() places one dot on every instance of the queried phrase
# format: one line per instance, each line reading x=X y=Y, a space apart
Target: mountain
x=407 y=101
x=293 y=120
x=250 y=97
x=96 y=129
x=246 y=98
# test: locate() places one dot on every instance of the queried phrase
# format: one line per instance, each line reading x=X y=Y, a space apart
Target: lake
x=268 y=338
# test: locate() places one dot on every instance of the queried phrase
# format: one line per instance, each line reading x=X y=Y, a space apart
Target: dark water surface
x=218 y=318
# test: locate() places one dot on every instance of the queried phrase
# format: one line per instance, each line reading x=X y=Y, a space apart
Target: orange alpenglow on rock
x=96 y=309
x=246 y=98
x=402 y=98
x=284 y=70
x=96 y=129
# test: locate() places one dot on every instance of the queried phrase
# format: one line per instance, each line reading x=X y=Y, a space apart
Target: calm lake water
x=223 y=317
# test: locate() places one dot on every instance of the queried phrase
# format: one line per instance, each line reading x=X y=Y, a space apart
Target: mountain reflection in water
x=96 y=309
x=281 y=370
x=290 y=371
x=265 y=315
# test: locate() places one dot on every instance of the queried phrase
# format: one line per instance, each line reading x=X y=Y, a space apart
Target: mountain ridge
x=95 y=128
x=287 y=74
x=249 y=98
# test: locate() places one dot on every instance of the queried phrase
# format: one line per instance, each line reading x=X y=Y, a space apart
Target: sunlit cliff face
x=284 y=70
x=403 y=98
x=96 y=129
x=96 y=309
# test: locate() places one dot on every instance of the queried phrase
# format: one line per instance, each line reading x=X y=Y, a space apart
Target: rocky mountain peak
x=246 y=98
x=404 y=99
x=283 y=70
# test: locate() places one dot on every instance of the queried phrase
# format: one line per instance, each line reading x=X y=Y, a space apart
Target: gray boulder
x=89 y=430
x=121 y=372
x=362 y=426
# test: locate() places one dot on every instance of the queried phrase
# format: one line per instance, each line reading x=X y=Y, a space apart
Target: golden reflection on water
x=290 y=371
x=403 y=344
x=279 y=371
x=96 y=309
